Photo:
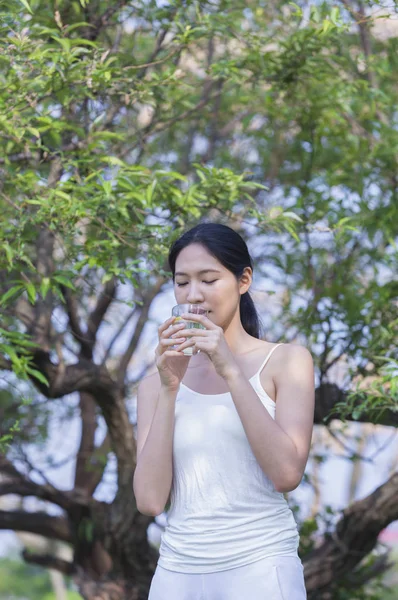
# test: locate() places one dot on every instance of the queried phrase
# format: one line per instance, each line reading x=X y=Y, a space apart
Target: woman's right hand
x=171 y=364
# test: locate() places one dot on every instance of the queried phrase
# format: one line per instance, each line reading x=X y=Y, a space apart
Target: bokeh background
x=122 y=124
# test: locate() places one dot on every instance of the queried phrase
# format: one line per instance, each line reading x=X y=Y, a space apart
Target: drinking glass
x=195 y=309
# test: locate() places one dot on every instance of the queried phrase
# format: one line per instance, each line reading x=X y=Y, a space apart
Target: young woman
x=226 y=432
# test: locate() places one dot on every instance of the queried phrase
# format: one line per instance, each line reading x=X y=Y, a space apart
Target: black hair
x=230 y=249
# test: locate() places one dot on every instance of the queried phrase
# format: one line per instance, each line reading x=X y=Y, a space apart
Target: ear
x=245 y=280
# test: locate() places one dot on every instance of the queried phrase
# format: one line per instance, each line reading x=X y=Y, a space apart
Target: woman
x=226 y=431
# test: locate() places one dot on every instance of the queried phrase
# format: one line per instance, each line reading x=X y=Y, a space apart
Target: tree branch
x=43 y=492
x=7 y=467
x=40 y=329
x=363 y=21
x=85 y=376
x=73 y=316
x=5 y=365
x=363 y=25
x=118 y=333
x=359 y=577
x=87 y=339
x=158 y=47
x=19 y=484
x=37 y=522
x=87 y=407
x=156 y=127
x=49 y=562
x=104 y=301
x=96 y=466
x=37 y=156
x=41 y=325
x=103 y=20
x=354 y=537
x=142 y=320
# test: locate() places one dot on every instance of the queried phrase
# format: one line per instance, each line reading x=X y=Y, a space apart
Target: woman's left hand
x=211 y=341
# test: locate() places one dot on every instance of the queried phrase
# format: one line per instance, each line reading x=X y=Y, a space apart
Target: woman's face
x=201 y=279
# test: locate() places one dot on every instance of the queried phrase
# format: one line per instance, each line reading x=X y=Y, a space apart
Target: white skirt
x=271 y=578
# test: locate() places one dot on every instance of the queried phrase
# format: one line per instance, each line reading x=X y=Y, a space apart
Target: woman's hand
x=211 y=341
x=172 y=365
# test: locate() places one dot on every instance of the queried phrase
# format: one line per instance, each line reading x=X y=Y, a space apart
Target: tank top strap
x=267 y=359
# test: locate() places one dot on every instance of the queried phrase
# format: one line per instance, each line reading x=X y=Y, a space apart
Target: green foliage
x=380 y=394
x=20 y=581
x=312 y=527
x=120 y=126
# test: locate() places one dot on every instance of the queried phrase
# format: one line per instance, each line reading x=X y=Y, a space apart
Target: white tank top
x=225 y=512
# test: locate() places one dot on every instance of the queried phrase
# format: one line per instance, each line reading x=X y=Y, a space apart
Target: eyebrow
x=200 y=272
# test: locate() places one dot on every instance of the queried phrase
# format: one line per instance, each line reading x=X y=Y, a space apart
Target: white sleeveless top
x=225 y=512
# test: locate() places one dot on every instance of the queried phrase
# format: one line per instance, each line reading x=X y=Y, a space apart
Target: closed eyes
x=208 y=282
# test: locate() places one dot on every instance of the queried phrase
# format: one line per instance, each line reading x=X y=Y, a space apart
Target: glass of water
x=195 y=309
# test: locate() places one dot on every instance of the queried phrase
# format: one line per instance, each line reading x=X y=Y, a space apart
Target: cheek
x=223 y=298
x=228 y=292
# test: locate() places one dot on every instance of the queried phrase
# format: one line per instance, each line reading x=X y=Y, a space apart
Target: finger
x=174 y=353
x=191 y=332
x=205 y=321
x=172 y=329
x=186 y=344
x=165 y=325
x=166 y=342
x=165 y=345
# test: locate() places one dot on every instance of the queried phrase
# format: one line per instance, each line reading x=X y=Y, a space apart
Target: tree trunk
x=353 y=539
x=135 y=588
x=119 y=564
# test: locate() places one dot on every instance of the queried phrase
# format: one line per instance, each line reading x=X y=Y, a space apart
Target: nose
x=194 y=295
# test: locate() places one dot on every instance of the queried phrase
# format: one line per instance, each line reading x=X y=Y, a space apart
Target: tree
x=123 y=124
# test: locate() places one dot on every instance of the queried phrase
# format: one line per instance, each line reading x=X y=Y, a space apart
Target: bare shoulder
x=293 y=351
x=293 y=358
x=290 y=353
x=286 y=362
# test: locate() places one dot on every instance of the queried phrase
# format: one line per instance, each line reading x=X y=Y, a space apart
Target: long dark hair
x=230 y=249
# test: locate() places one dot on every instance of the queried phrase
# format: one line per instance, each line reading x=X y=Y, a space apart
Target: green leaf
x=30 y=288
x=69 y=28
x=34 y=131
x=113 y=160
x=9 y=253
x=38 y=375
x=26 y=5
x=45 y=286
x=14 y=291
x=64 y=42
x=292 y=215
x=84 y=42
x=298 y=12
x=62 y=194
x=64 y=281
x=149 y=192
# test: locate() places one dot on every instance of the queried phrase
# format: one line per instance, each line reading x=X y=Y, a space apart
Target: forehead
x=194 y=258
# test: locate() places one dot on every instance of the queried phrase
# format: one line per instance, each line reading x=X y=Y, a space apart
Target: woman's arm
x=155 y=431
x=281 y=447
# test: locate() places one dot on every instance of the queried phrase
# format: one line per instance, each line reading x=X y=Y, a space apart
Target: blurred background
x=121 y=126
